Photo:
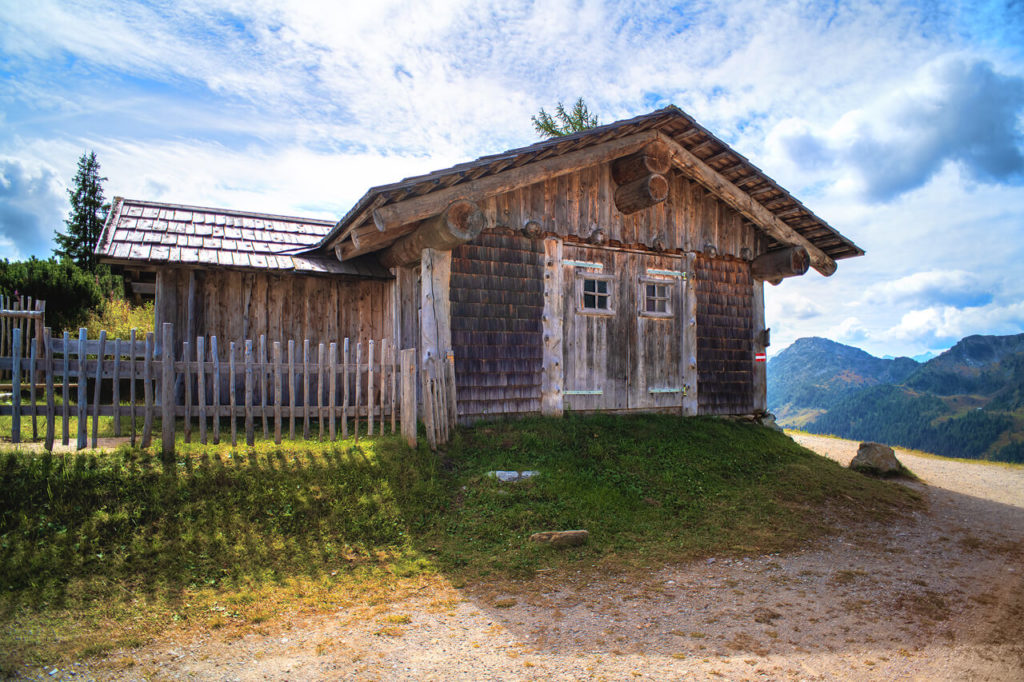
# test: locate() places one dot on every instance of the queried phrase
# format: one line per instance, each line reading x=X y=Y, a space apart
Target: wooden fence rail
x=303 y=387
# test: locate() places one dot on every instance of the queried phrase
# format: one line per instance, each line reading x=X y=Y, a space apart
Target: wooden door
x=623 y=329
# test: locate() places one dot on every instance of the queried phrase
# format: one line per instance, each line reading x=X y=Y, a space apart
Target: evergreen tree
x=87 y=215
x=577 y=119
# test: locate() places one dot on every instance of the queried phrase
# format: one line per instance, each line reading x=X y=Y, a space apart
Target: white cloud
x=956 y=288
x=944 y=325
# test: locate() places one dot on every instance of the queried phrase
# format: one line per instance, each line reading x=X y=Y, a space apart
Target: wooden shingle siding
x=725 y=353
x=497 y=297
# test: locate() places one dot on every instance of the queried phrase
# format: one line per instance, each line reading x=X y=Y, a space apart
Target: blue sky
x=900 y=123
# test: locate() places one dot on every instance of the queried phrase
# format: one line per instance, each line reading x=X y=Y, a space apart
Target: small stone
x=561 y=538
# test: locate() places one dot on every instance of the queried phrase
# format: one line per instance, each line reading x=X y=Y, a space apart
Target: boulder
x=876 y=459
x=561 y=538
x=512 y=476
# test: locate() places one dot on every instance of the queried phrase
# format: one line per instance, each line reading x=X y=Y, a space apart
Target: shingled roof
x=671 y=121
x=193 y=235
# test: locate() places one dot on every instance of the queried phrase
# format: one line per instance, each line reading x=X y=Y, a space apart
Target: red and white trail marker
x=760 y=357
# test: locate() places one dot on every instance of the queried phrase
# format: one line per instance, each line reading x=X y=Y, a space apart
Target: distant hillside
x=965 y=402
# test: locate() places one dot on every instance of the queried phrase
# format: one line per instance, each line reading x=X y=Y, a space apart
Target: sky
x=899 y=123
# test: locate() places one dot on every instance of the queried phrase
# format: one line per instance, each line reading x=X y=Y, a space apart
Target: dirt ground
x=938 y=596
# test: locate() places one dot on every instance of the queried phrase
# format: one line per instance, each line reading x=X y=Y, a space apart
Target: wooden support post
x=233 y=393
x=291 y=389
x=551 y=322
x=408 y=357
x=760 y=368
x=131 y=384
x=83 y=390
x=116 y=386
x=435 y=315
x=277 y=392
x=250 y=435
x=344 y=390
x=65 y=408
x=167 y=391
x=332 y=387
x=48 y=367
x=688 y=319
x=305 y=389
x=321 y=361
x=186 y=358
x=98 y=392
x=201 y=386
x=16 y=386
x=216 y=389
x=777 y=265
x=147 y=389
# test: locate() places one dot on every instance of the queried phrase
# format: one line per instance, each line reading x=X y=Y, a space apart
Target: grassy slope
x=106 y=550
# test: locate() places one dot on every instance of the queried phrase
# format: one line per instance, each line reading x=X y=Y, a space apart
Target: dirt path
x=939 y=596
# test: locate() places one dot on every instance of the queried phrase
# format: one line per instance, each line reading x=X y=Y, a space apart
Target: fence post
x=83 y=388
x=51 y=412
x=16 y=386
x=167 y=391
x=409 y=396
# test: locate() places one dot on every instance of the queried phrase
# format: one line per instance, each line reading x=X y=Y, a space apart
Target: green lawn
x=99 y=550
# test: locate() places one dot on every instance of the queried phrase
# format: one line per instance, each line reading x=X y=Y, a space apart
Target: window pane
x=589 y=285
x=602 y=302
x=602 y=286
x=589 y=301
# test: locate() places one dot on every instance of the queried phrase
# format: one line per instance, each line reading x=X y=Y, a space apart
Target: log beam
x=737 y=199
x=457 y=224
x=777 y=265
x=641 y=193
x=653 y=158
x=417 y=208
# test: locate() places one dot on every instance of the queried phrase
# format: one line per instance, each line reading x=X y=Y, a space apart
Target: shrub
x=119 y=317
x=69 y=291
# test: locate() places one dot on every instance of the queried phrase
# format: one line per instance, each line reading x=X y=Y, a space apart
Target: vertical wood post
x=393 y=357
x=167 y=391
x=32 y=373
x=263 y=384
x=83 y=388
x=186 y=358
x=688 y=319
x=51 y=412
x=760 y=368
x=277 y=392
x=16 y=386
x=116 y=386
x=408 y=359
x=552 y=379
x=201 y=385
x=65 y=408
x=131 y=385
x=369 y=387
x=97 y=393
x=291 y=389
x=216 y=389
x=321 y=358
x=305 y=389
x=359 y=386
x=344 y=391
x=332 y=387
x=233 y=393
x=250 y=437
x=147 y=389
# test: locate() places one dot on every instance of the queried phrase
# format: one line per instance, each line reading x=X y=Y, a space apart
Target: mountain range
x=965 y=402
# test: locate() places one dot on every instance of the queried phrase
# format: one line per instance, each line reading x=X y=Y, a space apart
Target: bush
x=69 y=291
x=119 y=317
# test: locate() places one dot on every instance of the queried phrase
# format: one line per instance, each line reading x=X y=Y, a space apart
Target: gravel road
x=937 y=596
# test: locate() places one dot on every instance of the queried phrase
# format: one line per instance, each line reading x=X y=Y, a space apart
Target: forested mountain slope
x=966 y=402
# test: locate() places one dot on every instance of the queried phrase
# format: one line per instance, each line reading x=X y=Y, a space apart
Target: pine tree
x=87 y=215
x=579 y=118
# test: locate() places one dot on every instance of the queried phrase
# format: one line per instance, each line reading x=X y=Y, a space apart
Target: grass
x=107 y=550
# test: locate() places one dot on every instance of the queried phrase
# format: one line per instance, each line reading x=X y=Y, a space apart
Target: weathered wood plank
x=147 y=390
x=167 y=391
x=551 y=319
x=277 y=392
x=332 y=359
x=51 y=412
x=187 y=426
x=232 y=393
x=250 y=436
x=408 y=359
x=201 y=385
x=66 y=392
x=305 y=389
x=216 y=389
x=291 y=389
x=83 y=383
x=16 y=385
x=369 y=387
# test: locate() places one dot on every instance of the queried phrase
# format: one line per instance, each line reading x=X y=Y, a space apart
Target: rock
x=561 y=538
x=512 y=476
x=876 y=459
x=768 y=420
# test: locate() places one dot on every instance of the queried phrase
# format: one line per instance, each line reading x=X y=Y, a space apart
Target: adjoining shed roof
x=161 y=233
x=671 y=122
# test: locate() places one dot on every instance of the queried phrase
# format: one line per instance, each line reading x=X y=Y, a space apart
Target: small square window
x=595 y=295
x=656 y=298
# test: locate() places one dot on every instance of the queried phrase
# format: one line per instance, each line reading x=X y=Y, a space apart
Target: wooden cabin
x=616 y=269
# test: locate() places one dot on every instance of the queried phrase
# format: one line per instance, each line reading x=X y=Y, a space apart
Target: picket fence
x=294 y=387
x=26 y=314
